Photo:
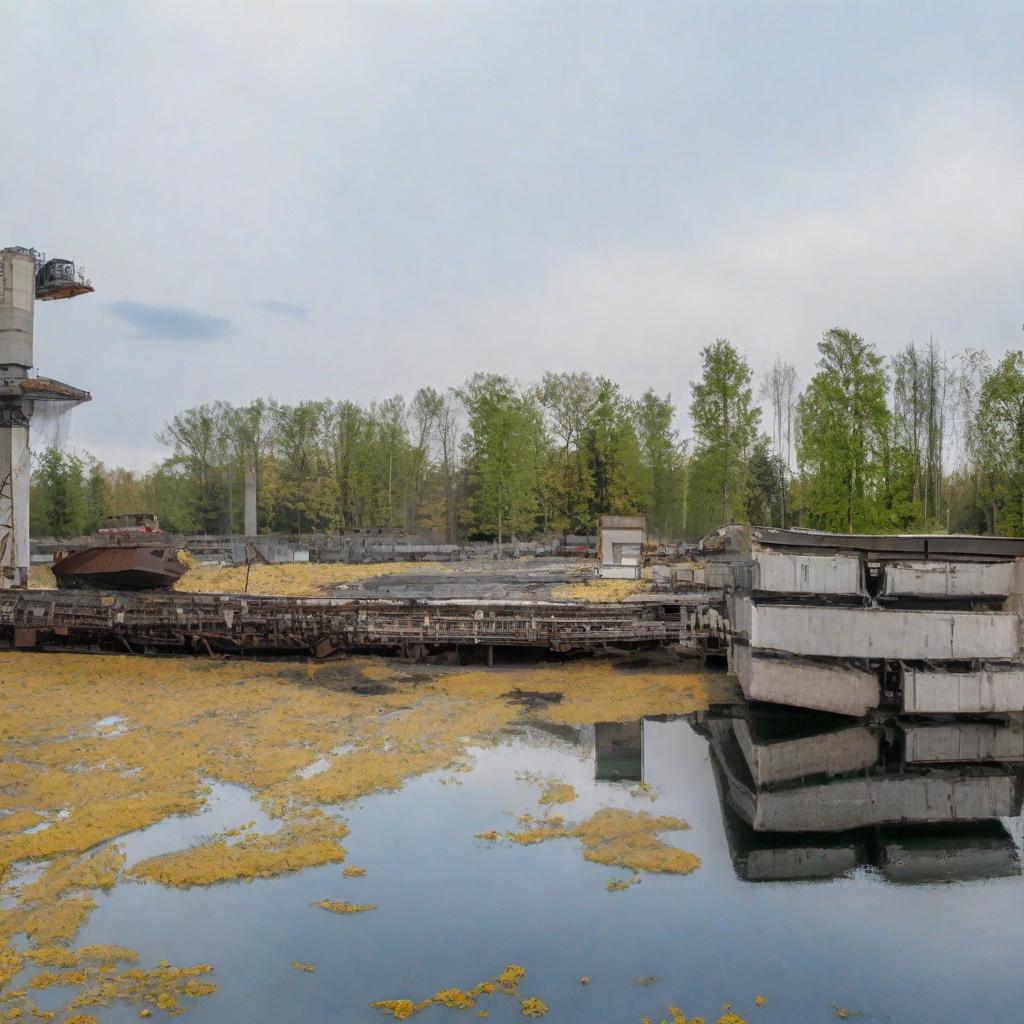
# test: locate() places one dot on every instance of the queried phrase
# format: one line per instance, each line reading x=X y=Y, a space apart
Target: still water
x=900 y=925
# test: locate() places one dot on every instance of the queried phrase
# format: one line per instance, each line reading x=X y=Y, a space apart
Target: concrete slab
x=879 y=633
x=838 y=688
x=985 y=691
x=948 y=579
x=784 y=572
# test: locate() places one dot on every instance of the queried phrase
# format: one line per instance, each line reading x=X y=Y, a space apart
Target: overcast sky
x=349 y=200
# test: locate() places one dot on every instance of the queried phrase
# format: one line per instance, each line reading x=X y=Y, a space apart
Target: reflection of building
x=805 y=799
x=619 y=750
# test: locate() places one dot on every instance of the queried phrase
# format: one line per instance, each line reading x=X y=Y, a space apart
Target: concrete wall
x=841 y=689
x=633 y=538
x=879 y=633
x=785 y=573
x=948 y=579
x=986 y=690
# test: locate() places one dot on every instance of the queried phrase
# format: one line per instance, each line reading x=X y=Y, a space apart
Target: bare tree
x=779 y=388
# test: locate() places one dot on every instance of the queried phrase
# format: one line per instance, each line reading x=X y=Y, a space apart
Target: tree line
x=921 y=441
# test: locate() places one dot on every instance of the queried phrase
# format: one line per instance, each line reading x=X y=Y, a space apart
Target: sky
x=349 y=200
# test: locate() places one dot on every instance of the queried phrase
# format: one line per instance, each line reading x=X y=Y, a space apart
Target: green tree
x=1000 y=439
x=843 y=424
x=499 y=446
x=725 y=421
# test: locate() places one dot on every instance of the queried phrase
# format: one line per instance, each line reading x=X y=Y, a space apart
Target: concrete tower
x=24 y=277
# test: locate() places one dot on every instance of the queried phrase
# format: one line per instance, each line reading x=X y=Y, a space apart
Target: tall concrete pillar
x=15 y=474
x=250 y=502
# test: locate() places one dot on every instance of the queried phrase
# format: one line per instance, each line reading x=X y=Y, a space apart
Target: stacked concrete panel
x=877 y=621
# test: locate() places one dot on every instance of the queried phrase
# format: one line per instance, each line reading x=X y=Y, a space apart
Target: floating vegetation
x=68 y=790
x=505 y=983
x=98 y=982
x=643 y=789
x=343 y=907
x=291 y=579
x=353 y=871
x=300 y=966
x=300 y=843
x=491 y=835
x=676 y=1016
x=621 y=884
x=626 y=839
x=555 y=792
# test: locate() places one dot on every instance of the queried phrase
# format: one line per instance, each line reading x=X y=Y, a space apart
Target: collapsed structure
x=846 y=623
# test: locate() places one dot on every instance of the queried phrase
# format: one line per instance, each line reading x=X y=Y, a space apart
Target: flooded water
x=892 y=924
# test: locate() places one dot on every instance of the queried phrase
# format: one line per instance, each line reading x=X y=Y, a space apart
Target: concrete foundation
x=839 y=688
x=985 y=691
x=877 y=633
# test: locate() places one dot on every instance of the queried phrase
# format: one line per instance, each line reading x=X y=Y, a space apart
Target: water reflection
x=804 y=798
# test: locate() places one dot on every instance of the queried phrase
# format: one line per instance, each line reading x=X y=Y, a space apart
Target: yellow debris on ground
x=292 y=579
x=598 y=590
x=40 y=577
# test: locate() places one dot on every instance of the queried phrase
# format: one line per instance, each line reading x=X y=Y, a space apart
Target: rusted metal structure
x=319 y=627
x=131 y=566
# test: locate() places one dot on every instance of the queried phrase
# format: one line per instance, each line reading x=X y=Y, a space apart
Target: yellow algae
x=104 y=985
x=353 y=871
x=10 y=963
x=300 y=966
x=344 y=907
x=760 y=1000
x=598 y=590
x=300 y=843
x=845 y=1014
x=533 y=1007
x=145 y=1012
x=584 y=980
x=296 y=579
x=621 y=884
x=555 y=792
x=80 y=1018
x=18 y=821
x=464 y=999
x=491 y=835
x=626 y=839
x=730 y=1018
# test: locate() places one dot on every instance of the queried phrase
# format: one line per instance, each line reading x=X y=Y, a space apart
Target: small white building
x=620 y=542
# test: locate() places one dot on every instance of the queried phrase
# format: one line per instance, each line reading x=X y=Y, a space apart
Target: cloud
x=170 y=322
x=288 y=309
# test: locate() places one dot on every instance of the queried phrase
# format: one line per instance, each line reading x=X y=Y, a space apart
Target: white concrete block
x=841 y=689
x=986 y=691
x=786 y=573
x=948 y=579
x=883 y=633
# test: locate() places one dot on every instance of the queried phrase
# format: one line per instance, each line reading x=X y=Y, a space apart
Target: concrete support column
x=15 y=474
x=250 y=502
